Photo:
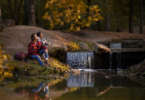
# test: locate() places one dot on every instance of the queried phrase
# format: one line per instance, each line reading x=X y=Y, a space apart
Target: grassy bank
x=137 y=70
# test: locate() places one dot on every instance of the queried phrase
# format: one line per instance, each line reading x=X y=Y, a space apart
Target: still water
x=81 y=85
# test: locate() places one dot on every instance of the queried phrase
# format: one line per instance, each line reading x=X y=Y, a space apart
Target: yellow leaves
x=78 y=28
x=78 y=11
x=87 y=24
x=1 y=67
x=64 y=11
x=89 y=18
x=1 y=71
x=66 y=15
x=96 y=19
x=61 y=23
x=54 y=12
x=76 y=20
x=71 y=27
x=79 y=17
x=58 y=20
x=60 y=14
x=8 y=74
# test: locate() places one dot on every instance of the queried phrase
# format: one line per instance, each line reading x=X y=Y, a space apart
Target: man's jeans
x=36 y=57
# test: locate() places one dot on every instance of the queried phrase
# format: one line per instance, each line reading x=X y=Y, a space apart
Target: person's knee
x=37 y=57
x=46 y=50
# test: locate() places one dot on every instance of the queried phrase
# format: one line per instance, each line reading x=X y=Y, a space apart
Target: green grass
x=33 y=68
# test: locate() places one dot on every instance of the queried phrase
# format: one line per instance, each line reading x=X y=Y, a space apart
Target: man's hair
x=32 y=36
x=38 y=34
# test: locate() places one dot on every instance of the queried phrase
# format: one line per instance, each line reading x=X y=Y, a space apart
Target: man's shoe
x=45 y=66
x=46 y=62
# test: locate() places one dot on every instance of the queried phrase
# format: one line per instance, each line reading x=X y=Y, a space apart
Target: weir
x=81 y=60
x=115 y=45
x=109 y=61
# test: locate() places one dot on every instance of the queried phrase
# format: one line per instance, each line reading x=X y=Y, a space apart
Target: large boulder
x=142 y=43
x=84 y=46
x=100 y=48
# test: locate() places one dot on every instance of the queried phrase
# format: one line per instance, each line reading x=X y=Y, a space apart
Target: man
x=35 y=49
x=43 y=41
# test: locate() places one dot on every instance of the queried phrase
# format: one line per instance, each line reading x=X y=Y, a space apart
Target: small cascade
x=82 y=79
x=119 y=61
x=111 y=60
x=115 y=45
x=81 y=60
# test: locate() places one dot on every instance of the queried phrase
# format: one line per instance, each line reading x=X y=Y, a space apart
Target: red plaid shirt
x=33 y=49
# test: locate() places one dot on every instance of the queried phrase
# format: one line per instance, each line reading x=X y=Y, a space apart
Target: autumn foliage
x=73 y=14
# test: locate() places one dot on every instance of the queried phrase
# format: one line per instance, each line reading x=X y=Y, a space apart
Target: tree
x=26 y=12
x=72 y=13
x=131 y=16
x=107 y=18
x=141 y=17
x=15 y=15
x=10 y=9
x=0 y=13
x=32 y=21
x=88 y=10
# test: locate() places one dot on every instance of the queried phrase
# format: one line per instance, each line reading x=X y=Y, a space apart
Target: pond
x=98 y=85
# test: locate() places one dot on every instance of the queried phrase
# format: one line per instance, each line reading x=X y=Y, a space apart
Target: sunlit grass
x=33 y=67
x=57 y=64
x=73 y=46
x=5 y=70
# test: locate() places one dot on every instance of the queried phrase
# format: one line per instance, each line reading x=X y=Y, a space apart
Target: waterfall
x=115 y=45
x=83 y=79
x=118 y=60
x=80 y=60
x=111 y=60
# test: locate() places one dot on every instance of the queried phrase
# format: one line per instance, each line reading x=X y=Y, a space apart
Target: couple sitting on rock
x=38 y=47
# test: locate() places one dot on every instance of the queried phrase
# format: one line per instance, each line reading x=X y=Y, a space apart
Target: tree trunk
x=107 y=22
x=0 y=13
x=131 y=16
x=10 y=9
x=99 y=26
x=16 y=8
x=107 y=19
x=32 y=21
x=141 y=17
x=26 y=11
x=17 y=11
x=88 y=11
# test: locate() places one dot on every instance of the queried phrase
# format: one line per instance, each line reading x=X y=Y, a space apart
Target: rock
x=107 y=77
x=100 y=48
x=132 y=75
x=10 y=22
x=84 y=46
x=142 y=43
x=65 y=48
x=120 y=73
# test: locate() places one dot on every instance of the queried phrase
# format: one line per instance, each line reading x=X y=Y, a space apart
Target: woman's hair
x=32 y=36
x=38 y=34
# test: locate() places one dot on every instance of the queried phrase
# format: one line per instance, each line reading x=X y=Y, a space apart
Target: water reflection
x=84 y=79
x=101 y=85
x=39 y=92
